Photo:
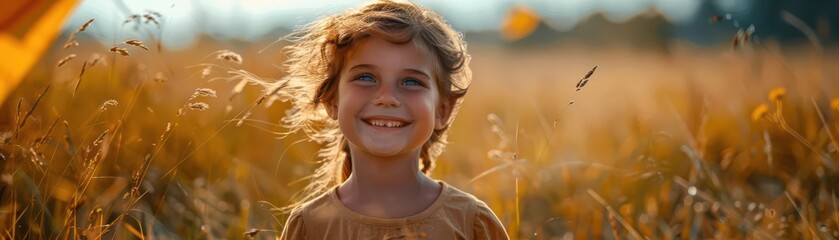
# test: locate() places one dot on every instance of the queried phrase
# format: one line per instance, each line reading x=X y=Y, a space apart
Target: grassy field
x=679 y=142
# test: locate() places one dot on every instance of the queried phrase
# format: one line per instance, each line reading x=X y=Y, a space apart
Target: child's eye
x=365 y=77
x=411 y=82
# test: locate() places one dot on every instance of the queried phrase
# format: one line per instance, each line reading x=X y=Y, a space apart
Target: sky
x=250 y=20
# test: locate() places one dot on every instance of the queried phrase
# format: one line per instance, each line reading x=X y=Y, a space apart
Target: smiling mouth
x=386 y=123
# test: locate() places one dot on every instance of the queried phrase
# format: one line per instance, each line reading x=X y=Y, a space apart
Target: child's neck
x=386 y=173
x=388 y=188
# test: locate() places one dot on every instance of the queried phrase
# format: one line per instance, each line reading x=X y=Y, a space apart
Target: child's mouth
x=386 y=123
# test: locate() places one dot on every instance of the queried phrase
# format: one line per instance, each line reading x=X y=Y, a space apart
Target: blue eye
x=412 y=82
x=365 y=77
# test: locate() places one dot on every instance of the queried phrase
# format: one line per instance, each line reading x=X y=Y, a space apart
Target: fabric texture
x=454 y=215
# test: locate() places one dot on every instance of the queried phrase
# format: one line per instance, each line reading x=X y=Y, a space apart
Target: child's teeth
x=385 y=123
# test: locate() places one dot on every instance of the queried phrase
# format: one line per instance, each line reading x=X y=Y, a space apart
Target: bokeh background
x=703 y=118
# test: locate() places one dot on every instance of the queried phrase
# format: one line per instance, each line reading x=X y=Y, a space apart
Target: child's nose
x=386 y=98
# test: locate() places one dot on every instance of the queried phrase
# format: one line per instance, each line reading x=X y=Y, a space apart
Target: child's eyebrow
x=371 y=66
x=417 y=71
x=362 y=66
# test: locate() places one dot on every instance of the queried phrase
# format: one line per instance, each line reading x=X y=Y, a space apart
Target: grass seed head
x=150 y=18
x=228 y=55
x=96 y=58
x=131 y=18
x=203 y=92
x=136 y=43
x=85 y=25
x=121 y=51
x=590 y=72
x=583 y=81
x=71 y=42
x=65 y=60
x=242 y=120
x=109 y=103
x=84 y=68
x=252 y=232
x=100 y=138
x=200 y=106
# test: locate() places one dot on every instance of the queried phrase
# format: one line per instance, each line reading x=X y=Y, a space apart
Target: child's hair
x=319 y=53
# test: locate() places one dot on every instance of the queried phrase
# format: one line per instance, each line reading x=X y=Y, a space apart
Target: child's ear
x=443 y=113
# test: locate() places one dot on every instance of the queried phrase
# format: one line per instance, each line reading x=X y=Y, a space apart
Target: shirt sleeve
x=294 y=227
x=487 y=225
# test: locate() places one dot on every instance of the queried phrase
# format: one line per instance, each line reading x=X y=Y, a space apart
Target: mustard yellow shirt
x=454 y=215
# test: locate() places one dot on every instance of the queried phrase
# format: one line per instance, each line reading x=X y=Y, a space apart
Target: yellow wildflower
x=777 y=94
x=760 y=112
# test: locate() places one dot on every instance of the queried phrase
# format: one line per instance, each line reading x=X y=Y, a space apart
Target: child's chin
x=389 y=150
x=384 y=152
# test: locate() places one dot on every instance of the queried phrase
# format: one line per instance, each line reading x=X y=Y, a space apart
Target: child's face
x=388 y=103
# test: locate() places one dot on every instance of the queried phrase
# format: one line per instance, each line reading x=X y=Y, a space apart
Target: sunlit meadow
x=133 y=140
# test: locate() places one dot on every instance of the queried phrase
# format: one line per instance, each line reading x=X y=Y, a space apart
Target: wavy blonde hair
x=319 y=52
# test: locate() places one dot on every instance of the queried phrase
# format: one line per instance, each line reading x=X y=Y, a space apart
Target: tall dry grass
x=132 y=140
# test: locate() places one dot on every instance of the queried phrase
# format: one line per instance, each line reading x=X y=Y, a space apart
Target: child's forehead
x=375 y=49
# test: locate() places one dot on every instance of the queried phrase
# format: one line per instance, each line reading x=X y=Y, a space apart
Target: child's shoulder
x=455 y=196
x=306 y=218
x=459 y=200
x=320 y=203
x=484 y=223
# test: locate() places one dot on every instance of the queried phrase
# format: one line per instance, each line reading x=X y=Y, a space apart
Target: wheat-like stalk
x=85 y=25
x=136 y=43
x=121 y=51
x=65 y=60
x=71 y=41
x=200 y=106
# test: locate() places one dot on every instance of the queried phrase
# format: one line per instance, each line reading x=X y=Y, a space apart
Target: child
x=380 y=85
